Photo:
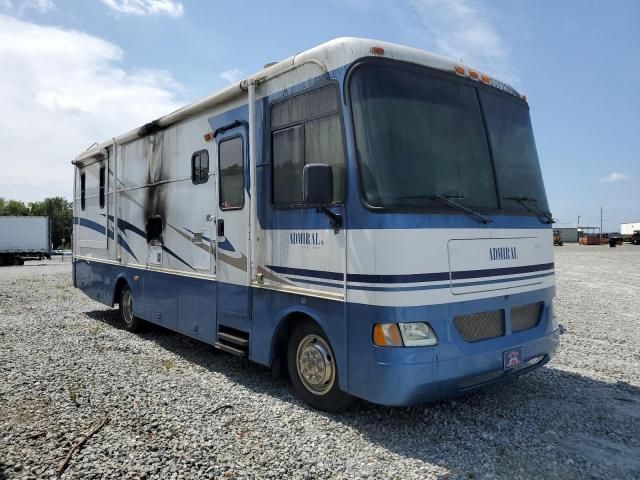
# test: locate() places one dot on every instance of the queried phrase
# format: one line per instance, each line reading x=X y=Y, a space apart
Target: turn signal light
x=387 y=335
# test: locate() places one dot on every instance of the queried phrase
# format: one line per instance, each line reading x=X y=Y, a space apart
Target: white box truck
x=22 y=237
x=630 y=232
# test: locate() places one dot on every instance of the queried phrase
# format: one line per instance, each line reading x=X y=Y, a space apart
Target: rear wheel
x=131 y=322
x=313 y=369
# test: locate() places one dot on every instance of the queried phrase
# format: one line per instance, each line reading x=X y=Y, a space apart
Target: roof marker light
x=474 y=75
x=485 y=78
x=376 y=51
x=459 y=70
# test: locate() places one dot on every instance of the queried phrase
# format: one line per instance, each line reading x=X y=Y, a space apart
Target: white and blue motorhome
x=368 y=217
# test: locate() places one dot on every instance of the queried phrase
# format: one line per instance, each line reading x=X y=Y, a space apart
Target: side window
x=103 y=171
x=306 y=128
x=83 y=190
x=154 y=229
x=200 y=167
x=230 y=162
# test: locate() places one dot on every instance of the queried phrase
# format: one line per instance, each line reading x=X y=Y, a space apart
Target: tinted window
x=103 y=171
x=83 y=190
x=419 y=136
x=200 y=167
x=231 y=173
x=306 y=128
x=288 y=162
x=514 y=151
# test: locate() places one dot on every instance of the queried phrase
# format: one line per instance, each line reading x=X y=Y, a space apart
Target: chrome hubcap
x=127 y=307
x=316 y=366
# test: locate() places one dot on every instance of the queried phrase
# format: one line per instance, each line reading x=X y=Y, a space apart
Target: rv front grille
x=524 y=317
x=480 y=326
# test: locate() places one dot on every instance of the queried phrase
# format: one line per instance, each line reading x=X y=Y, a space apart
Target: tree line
x=58 y=209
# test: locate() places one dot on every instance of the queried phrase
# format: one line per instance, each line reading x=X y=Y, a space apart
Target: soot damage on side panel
x=155 y=201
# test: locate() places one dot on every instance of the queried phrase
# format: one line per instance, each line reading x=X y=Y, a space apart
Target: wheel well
x=281 y=340
x=120 y=284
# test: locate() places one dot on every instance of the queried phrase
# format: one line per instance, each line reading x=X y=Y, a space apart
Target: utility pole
x=600 y=220
x=578 y=224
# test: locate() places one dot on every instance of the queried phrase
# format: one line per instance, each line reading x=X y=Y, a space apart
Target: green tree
x=60 y=211
x=13 y=207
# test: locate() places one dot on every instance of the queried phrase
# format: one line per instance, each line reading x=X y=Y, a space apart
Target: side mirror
x=317 y=191
x=317 y=184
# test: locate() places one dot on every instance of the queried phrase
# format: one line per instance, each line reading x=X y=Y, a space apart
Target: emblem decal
x=503 y=253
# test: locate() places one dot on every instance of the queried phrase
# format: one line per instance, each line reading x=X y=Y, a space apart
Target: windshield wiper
x=446 y=199
x=532 y=201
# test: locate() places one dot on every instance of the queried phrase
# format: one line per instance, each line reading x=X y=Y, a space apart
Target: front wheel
x=131 y=322
x=313 y=369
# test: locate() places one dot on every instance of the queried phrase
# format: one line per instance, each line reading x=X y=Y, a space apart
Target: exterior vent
x=524 y=317
x=480 y=326
x=196 y=237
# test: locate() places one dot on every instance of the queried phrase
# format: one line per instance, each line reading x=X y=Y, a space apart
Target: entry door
x=232 y=229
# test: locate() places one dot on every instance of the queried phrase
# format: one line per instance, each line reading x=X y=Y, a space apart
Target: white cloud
x=172 y=8
x=20 y=6
x=60 y=91
x=464 y=30
x=232 y=75
x=615 y=177
x=40 y=5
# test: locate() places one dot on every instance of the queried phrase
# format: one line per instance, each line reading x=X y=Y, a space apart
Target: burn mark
x=150 y=128
x=155 y=203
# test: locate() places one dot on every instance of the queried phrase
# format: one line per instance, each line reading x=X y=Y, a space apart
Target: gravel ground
x=65 y=364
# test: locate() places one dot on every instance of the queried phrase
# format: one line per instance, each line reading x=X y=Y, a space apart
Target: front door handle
x=220 y=227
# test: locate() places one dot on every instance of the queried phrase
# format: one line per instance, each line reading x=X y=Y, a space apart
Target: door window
x=231 y=165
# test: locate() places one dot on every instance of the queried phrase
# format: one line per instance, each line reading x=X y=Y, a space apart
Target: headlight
x=552 y=314
x=417 y=334
x=414 y=334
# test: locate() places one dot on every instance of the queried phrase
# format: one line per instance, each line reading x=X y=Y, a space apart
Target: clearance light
x=376 y=51
x=459 y=70
x=387 y=335
x=208 y=137
x=485 y=78
x=474 y=75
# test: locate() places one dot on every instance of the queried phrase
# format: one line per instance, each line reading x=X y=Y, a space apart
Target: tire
x=313 y=370
x=131 y=323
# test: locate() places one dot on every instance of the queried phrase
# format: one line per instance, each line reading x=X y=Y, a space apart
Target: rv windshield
x=422 y=136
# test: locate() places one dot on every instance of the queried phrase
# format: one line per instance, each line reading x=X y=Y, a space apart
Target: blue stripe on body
x=173 y=254
x=421 y=287
x=306 y=273
x=413 y=277
x=124 y=225
x=85 y=222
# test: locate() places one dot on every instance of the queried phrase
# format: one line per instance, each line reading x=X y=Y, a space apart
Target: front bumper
x=409 y=376
x=410 y=384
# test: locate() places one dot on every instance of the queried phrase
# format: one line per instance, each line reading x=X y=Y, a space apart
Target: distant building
x=568 y=232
